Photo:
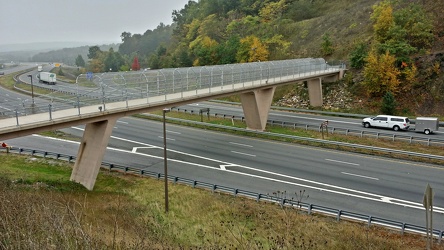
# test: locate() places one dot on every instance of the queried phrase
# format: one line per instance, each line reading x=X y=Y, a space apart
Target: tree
x=135 y=66
x=251 y=49
x=381 y=74
x=94 y=52
x=388 y=104
x=79 y=61
x=358 y=55
x=383 y=19
x=327 y=45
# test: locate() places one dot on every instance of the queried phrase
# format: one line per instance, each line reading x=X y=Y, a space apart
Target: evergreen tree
x=388 y=104
x=79 y=61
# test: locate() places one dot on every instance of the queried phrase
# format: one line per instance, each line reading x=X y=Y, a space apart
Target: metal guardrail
x=283 y=201
x=361 y=133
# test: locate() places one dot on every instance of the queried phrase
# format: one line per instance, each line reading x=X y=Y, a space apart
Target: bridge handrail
x=132 y=88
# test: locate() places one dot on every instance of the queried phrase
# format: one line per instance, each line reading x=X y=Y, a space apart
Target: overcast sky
x=98 y=21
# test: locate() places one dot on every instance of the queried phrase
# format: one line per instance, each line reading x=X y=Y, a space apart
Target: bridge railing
x=112 y=87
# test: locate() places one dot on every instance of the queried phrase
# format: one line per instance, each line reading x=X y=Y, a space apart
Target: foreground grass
x=42 y=209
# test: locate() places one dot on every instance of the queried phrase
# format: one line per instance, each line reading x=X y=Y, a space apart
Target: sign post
x=428 y=205
x=324 y=125
x=201 y=111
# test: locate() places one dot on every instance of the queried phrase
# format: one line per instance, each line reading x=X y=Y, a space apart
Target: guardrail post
x=338 y=217
x=377 y=135
x=428 y=142
x=306 y=127
x=213 y=188
x=194 y=184
x=402 y=228
x=440 y=236
x=50 y=111
x=394 y=137
x=369 y=221
x=362 y=134
x=235 y=191
x=346 y=132
x=258 y=197
x=16 y=117
x=176 y=179
x=141 y=172
x=411 y=137
x=310 y=207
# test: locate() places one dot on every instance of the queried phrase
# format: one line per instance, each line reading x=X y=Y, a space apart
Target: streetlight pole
x=165 y=168
x=32 y=90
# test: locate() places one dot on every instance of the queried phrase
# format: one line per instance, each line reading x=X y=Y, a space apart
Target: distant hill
x=44 y=46
x=27 y=52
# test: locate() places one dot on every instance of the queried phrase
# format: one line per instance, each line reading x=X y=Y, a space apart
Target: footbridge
x=99 y=100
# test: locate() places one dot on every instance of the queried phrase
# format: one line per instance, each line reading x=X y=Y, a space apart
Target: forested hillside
x=393 y=49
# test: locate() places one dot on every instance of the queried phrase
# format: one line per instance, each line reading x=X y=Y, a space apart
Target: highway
x=312 y=119
x=377 y=186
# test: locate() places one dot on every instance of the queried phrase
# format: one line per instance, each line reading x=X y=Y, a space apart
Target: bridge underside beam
x=315 y=92
x=91 y=151
x=256 y=105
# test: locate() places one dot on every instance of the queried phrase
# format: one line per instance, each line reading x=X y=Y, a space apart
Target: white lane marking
x=173 y=132
x=122 y=122
x=325 y=188
x=240 y=144
x=243 y=153
x=235 y=152
x=362 y=176
x=161 y=137
x=355 y=164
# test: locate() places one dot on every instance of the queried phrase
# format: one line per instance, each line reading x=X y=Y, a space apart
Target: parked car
x=387 y=121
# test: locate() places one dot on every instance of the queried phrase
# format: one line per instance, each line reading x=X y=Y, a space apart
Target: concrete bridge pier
x=91 y=151
x=256 y=105
x=315 y=92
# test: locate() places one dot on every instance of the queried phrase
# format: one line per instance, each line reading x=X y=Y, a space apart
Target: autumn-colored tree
x=252 y=50
x=135 y=66
x=272 y=10
x=383 y=19
x=381 y=74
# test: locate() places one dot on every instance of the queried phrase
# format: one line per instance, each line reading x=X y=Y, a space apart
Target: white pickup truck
x=387 y=121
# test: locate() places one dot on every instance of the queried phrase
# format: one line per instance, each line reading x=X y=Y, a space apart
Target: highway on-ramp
x=377 y=186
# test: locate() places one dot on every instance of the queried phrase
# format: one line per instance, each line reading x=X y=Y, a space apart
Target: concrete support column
x=256 y=105
x=92 y=148
x=315 y=92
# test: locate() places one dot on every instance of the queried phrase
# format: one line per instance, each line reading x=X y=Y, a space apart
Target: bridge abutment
x=92 y=148
x=256 y=105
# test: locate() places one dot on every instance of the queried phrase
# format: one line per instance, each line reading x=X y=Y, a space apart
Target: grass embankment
x=42 y=209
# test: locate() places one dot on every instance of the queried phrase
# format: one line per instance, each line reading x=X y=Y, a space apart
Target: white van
x=387 y=121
